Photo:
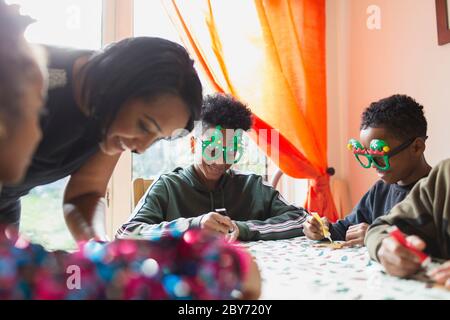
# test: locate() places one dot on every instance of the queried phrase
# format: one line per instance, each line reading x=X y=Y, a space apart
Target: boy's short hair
x=226 y=111
x=401 y=115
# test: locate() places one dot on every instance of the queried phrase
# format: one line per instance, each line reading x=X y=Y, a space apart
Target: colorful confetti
x=182 y=265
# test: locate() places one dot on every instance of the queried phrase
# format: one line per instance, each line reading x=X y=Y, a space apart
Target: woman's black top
x=68 y=140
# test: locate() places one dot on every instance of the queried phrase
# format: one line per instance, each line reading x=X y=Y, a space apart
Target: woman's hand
x=85 y=218
x=84 y=203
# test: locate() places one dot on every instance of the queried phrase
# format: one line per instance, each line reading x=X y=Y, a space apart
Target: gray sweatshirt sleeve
x=425 y=213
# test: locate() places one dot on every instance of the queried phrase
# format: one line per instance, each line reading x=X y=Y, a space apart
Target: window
x=150 y=19
x=42 y=217
x=66 y=23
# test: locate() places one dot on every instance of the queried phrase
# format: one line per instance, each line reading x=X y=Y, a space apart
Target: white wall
x=366 y=65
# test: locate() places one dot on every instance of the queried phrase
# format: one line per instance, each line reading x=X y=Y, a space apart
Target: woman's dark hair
x=142 y=67
x=400 y=114
x=16 y=60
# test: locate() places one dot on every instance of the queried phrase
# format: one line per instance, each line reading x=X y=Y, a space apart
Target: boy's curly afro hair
x=226 y=111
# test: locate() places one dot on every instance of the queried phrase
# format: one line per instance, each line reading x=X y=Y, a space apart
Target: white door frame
x=118 y=20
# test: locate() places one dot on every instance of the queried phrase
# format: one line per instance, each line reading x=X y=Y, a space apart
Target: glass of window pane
x=150 y=19
x=65 y=23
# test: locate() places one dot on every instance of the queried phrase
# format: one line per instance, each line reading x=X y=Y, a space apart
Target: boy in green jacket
x=424 y=215
x=193 y=196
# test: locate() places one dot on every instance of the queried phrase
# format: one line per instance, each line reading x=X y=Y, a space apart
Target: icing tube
x=401 y=238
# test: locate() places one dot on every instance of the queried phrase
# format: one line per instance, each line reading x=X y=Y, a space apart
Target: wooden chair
x=140 y=186
x=276 y=178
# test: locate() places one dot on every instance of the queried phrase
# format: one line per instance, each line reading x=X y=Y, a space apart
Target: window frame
x=118 y=19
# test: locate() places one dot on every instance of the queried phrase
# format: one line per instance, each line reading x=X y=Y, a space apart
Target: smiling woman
x=69 y=23
x=142 y=122
x=116 y=98
x=145 y=84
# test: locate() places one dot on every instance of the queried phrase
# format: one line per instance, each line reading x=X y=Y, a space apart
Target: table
x=294 y=269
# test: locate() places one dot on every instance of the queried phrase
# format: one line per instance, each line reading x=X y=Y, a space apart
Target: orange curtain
x=271 y=55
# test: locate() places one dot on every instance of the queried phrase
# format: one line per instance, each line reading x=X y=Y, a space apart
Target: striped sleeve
x=283 y=220
x=148 y=219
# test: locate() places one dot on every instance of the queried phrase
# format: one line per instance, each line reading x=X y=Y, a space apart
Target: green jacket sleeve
x=149 y=217
x=424 y=212
x=282 y=220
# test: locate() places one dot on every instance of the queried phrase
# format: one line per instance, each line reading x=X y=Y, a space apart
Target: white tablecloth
x=294 y=269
